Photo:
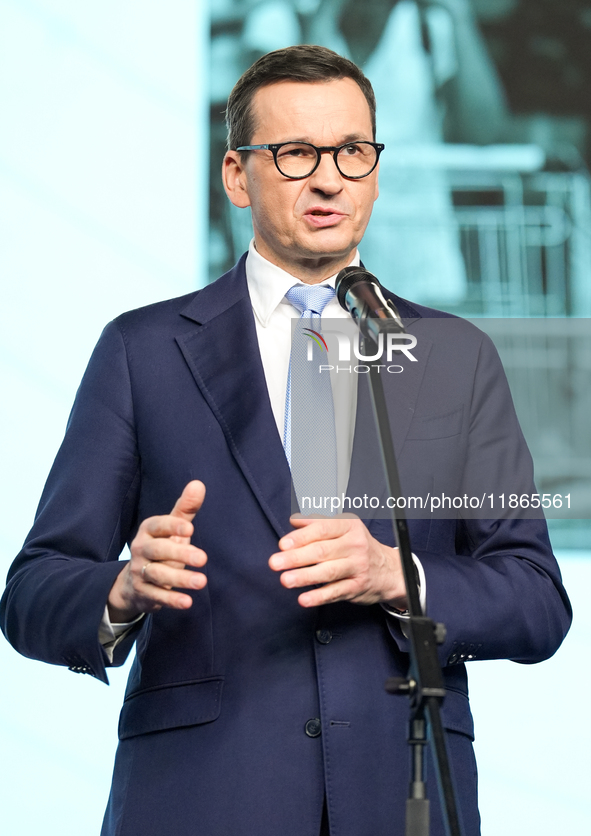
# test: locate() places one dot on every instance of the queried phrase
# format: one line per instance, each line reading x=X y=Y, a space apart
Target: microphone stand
x=424 y=685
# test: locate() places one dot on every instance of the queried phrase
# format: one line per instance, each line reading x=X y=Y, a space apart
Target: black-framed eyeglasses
x=298 y=160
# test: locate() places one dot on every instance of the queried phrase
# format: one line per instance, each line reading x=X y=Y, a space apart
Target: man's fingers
x=137 y=590
x=167 y=526
x=177 y=524
x=310 y=530
x=320 y=573
x=340 y=560
x=159 y=585
x=163 y=549
x=315 y=552
x=159 y=554
x=343 y=590
x=157 y=597
x=318 y=541
x=167 y=577
x=190 y=501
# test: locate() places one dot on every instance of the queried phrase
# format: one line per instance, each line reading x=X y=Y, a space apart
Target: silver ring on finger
x=144 y=567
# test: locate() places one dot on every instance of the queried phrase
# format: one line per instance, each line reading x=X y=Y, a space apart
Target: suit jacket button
x=313 y=728
x=323 y=636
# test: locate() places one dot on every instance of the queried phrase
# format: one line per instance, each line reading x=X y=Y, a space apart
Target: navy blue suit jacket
x=212 y=731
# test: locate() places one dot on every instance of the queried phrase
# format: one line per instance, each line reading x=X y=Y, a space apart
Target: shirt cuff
x=422 y=584
x=110 y=635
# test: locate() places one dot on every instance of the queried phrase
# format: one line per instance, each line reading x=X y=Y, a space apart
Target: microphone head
x=347 y=278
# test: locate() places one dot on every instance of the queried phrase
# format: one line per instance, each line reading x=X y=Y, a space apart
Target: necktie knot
x=310 y=299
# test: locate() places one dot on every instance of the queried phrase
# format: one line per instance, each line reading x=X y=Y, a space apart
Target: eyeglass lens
x=297 y=159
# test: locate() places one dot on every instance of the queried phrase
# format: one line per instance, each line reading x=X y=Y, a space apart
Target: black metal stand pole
x=424 y=685
x=417 y=804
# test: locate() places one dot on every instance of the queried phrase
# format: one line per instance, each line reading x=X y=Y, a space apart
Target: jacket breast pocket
x=424 y=427
x=171 y=706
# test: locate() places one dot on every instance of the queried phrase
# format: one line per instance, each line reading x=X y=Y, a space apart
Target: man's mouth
x=323 y=216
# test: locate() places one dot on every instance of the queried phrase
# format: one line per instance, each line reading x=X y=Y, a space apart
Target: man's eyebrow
x=357 y=137
x=354 y=138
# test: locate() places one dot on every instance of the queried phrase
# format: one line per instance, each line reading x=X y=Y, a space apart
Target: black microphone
x=360 y=293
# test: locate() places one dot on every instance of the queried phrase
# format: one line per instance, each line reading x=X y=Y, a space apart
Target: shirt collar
x=268 y=284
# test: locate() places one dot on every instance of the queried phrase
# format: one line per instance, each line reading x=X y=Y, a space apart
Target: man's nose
x=327 y=177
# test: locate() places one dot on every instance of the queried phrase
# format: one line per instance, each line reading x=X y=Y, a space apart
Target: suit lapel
x=224 y=358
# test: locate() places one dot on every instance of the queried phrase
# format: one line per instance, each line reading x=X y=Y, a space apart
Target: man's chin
x=327 y=244
x=324 y=252
x=321 y=265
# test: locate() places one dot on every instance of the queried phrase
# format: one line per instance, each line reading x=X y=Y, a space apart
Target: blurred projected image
x=484 y=201
x=433 y=81
x=485 y=205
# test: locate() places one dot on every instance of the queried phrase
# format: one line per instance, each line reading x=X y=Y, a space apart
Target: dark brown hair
x=305 y=62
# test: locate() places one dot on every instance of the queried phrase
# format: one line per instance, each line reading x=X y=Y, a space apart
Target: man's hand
x=160 y=552
x=342 y=558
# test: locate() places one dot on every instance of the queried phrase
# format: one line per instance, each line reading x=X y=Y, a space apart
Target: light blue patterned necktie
x=309 y=436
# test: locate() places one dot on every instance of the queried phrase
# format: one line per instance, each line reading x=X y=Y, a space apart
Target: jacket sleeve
x=58 y=585
x=494 y=583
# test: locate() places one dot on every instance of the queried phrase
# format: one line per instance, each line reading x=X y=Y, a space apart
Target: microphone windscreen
x=347 y=278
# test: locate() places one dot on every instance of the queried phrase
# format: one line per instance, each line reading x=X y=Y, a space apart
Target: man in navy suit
x=256 y=702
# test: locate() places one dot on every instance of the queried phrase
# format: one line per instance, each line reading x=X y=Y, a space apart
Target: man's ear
x=235 y=180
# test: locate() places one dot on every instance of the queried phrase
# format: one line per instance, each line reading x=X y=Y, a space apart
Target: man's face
x=308 y=227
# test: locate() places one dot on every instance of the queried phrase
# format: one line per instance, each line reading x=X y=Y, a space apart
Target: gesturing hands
x=337 y=556
x=160 y=552
x=342 y=558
